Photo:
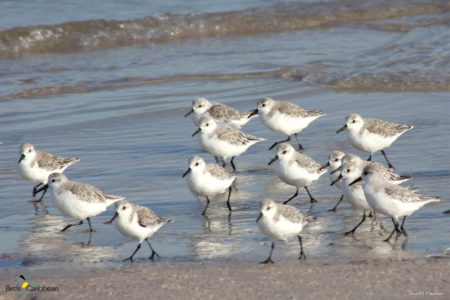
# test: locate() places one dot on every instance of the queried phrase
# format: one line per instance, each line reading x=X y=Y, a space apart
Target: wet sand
x=387 y=279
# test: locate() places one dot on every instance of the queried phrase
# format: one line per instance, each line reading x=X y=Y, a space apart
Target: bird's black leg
x=131 y=257
x=35 y=188
x=311 y=198
x=352 y=232
x=90 y=227
x=232 y=164
x=295 y=195
x=269 y=259
x=370 y=157
x=403 y=229
x=302 y=254
x=276 y=143
x=387 y=160
x=207 y=204
x=228 y=200
x=70 y=225
x=152 y=257
x=395 y=230
x=337 y=204
x=300 y=147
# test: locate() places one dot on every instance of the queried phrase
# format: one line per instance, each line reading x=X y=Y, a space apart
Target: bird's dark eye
x=263 y=105
x=284 y=152
x=268 y=208
x=196 y=164
x=199 y=105
x=123 y=208
x=207 y=124
x=337 y=159
x=354 y=121
x=29 y=151
x=53 y=180
x=348 y=170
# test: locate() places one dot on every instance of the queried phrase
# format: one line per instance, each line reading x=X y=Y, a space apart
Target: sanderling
x=297 y=169
x=354 y=194
x=208 y=180
x=387 y=173
x=371 y=135
x=281 y=222
x=285 y=118
x=221 y=113
x=78 y=200
x=390 y=199
x=36 y=166
x=137 y=222
x=335 y=162
x=223 y=141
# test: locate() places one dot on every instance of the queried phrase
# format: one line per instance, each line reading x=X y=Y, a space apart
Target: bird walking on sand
x=390 y=199
x=137 y=222
x=285 y=118
x=281 y=222
x=208 y=180
x=372 y=135
x=221 y=113
x=78 y=200
x=297 y=169
x=36 y=166
x=223 y=141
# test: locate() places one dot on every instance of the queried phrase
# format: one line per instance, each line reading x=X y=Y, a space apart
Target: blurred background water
x=111 y=82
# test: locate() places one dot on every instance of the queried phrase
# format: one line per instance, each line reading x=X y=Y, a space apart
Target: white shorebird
x=281 y=222
x=297 y=169
x=387 y=173
x=335 y=162
x=36 y=166
x=372 y=135
x=285 y=118
x=208 y=180
x=221 y=113
x=223 y=141
x=78 y=200
x=354 y=194
x=137 y=222
x=390 y=199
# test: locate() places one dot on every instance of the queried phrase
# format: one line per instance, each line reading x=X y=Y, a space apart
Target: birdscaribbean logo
x=24 y=285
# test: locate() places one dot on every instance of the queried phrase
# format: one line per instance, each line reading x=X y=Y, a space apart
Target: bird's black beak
x=112 y=219
x=254 y=112
x=190 y=112
x=336 y=180
x=22 y=156
x=355 y=181
x=342 y=128
x=324 y=166
x=197 y=131
x=259 y=217
x=187 y=172
x=45 y=187
x=273 y=159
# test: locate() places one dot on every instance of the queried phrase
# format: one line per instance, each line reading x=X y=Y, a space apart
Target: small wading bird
x=36 y=166
x=78 y=200
x=137 y=222
x=372 y=135
x=281 y=222
x=390 y=199
x=221 y=113
x=208 y=180
x=297 y=169
x=223 y=141
x=285 y=118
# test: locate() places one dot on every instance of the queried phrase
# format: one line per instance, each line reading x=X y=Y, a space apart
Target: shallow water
x=120 y=110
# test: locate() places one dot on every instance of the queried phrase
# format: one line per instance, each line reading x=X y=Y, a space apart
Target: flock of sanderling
x=368 y=186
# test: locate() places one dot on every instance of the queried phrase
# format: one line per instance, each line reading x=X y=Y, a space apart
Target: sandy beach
x=411 y=279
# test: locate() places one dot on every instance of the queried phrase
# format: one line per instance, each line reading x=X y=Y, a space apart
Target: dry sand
x=412 y=279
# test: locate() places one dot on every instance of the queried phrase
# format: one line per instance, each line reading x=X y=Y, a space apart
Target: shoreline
x=377 y=279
